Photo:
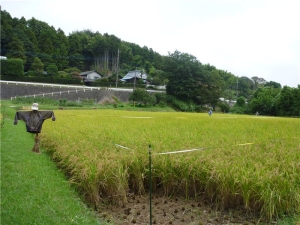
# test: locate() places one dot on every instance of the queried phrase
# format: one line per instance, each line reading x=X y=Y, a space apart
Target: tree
x=240 y=106
x=244 y=86
x=80 y=44
x=76 y=60
x=37 y=66
x=185 y=77
x=241 y=101
x=15 y=49
x=141 y=95
x=52 y=70
x=214 y=88
x=47 y=55
x=257 y=82
x=264 y=101
x=224 y=107
x=23 y=32
x=289 y=101
x=61 y=50
x=6 y=31
x=273 y=84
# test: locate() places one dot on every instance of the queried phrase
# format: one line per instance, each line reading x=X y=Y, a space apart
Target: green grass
x=51 y=104
x=33 y=190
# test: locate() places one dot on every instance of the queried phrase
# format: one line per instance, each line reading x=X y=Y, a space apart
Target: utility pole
x=117 y=69
x=237 y=87
x=134 y=78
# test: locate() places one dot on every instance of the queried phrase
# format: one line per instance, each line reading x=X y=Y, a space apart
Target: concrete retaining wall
x=10 y=90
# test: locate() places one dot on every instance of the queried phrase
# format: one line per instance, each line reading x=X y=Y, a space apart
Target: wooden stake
x=36 y=147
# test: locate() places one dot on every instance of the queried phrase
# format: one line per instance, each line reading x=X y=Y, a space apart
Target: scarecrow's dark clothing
x=33 y=119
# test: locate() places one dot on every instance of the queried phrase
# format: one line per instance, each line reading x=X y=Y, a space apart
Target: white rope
x=122 y=146
x=181 y=151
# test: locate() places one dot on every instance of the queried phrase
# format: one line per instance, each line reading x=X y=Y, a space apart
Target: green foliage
x=30 y=73
x=289 y=101
x=12 y=67
x=214 y=87
x=62 y=74
x=184 y=76
x=66 y=103
x=72 y=69
x=257 y=82
x=272 y=84
x=182 y=105
x=142 y=96
x=15 y=49
x=52 y=70
x=241 y=101
x=37 y=66
x=192 y=82
x=245 y=85
x=237 y=109
x=42 y=101
x=264 y=101
x=228 y=94
x=240 y=106
x=224 y=107
x=161 y=98
x=88 y=102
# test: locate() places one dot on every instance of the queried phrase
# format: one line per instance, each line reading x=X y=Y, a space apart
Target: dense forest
x=189 y=83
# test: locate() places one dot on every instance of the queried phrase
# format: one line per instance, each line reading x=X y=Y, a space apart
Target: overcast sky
x=245 y=37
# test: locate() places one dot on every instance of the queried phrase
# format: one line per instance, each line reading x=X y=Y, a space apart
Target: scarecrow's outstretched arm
x=20 y=116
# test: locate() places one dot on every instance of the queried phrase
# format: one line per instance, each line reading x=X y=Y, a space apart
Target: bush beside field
x=249 y=162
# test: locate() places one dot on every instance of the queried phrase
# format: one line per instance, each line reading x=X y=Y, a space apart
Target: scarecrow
x=34 y=120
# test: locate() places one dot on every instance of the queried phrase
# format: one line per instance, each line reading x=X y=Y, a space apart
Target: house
x=136 y=74
x=90 y=76
x=229 y=102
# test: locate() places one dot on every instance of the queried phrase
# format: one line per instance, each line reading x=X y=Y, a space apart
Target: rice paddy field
x=232 y=161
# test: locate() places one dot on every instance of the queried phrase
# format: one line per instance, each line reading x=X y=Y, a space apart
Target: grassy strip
x=51 y=104
x=33 y=190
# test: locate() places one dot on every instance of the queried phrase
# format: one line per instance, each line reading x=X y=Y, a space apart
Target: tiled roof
x=88 y=72
x=135 y=73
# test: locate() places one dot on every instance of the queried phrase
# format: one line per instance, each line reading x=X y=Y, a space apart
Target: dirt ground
x=172 y=211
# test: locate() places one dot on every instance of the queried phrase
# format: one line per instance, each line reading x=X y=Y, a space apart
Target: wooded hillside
x=43 y=48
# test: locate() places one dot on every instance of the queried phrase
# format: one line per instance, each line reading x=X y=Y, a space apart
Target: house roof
x=136 y=73
x=88 y=72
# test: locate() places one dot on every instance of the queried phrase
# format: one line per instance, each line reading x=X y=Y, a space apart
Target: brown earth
x=172 y=211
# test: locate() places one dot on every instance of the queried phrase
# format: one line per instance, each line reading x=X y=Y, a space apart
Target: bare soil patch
x=173 y=211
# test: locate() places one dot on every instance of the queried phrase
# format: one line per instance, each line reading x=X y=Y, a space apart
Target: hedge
x=12 y=67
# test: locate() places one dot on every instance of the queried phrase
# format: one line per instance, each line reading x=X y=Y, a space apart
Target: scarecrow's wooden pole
x=36 y=147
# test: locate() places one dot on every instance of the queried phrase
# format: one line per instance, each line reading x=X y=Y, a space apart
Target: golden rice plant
x=240 y=161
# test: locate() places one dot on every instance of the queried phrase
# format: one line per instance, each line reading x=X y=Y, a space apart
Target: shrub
x=12 y=67
x=224 y=107
x=30 y=73
x=237 y=110
x=141 y=95
x=52 y=70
